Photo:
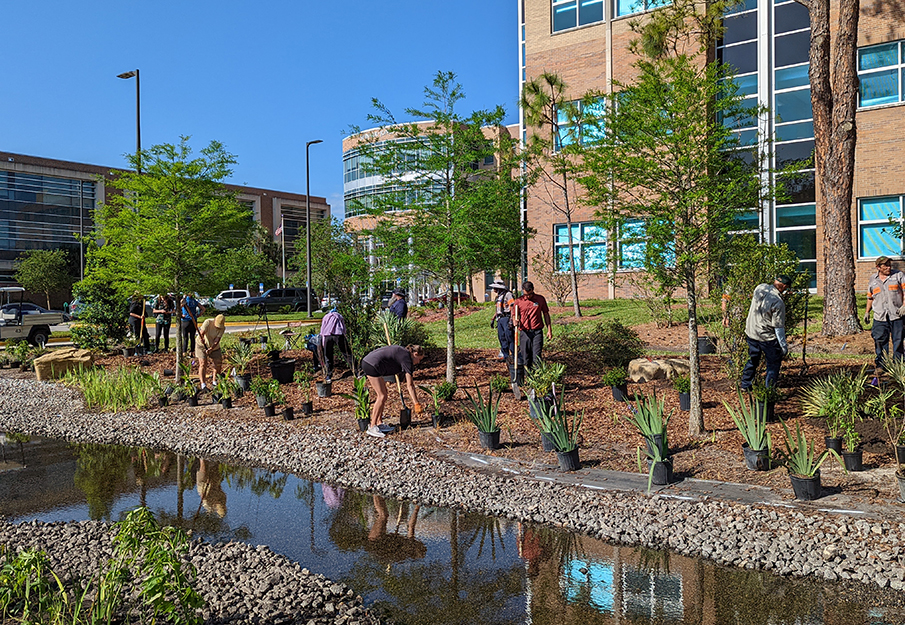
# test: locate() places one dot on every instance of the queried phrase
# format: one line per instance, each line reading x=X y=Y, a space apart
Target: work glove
x=781 y=337
x=901 y=310
x=419 y=409
x=493 y=322
x=867 y=318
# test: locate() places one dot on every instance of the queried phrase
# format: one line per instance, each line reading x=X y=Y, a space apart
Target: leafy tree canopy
x=45 y=271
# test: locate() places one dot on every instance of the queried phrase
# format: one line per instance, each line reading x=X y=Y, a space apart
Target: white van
x=227 y=299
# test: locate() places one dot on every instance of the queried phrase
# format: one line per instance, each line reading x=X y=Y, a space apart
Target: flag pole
x=283 y=241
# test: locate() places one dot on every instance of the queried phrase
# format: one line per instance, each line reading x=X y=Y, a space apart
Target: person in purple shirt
x=397 y=304
x=333 y=334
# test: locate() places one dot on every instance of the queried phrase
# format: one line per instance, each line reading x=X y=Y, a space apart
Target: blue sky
x=263 y=77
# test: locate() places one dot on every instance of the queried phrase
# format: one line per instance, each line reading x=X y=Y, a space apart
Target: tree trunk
x=573 y=274
x=179 y=345
x=834 y=93
x=695 y=412
x=450 y=336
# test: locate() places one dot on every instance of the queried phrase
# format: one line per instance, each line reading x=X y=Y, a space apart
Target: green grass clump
x=121 y=389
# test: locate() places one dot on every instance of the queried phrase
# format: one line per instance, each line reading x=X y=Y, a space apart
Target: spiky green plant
x=551 y=419
x=751 y=421
x=482 y=414
x=362 y=398
x=800 y=457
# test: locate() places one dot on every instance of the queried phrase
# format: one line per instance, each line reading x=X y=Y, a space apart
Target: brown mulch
x=608 y=442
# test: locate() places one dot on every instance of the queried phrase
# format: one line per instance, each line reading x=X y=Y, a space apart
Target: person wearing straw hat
x=502 y=319
x=208 y=351
x=765 y=330
x=885 y=301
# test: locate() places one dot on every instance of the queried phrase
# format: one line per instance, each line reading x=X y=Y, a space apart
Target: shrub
x=445 y=390
x=499 y=383
x=681 y=384
x=607 y=344
x=103 y=319
x=401 y=331
x=614 y=377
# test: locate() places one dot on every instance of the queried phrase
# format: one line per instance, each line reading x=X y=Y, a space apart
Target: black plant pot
x=405 y=418
x=685 y=401
x=324 y=389
x=288 y=413
x=282 y=370
x=193 y=400
x=489 y=440
x=162 y=400
x=901 y=479
x=245 y=341
x=806 y=488
x=756 y=459
x=900 y=454
x=128 y=352
x=270 y=410
x=706 y=345
x=273 y=354
x=262 y=400
x=620 y=393
x=436 y=421
x=655 y=441
x=547 y=441
x=244 y=381
x=662 y=474
x=168 y=373
x=216 y=397
x=307 y=408
x=226 y=402
x=834 y=443
x=852 y=460
x=770 y=408
x=363 y=424
x=568 y=460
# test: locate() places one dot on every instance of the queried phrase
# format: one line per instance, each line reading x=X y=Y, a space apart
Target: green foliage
x=446 y=390
x=892 y=416
x=45 y=271
x=362 y=398
x=103 y=317
x=226 y=387
x=543 y=376
x=681 y=384
x=250 y=263
x=303 y=376
x=605 y=344
x=837 y=398
x=751 y=421
x=745 y=264
x=614 y=376
x=112 y=391
x=143 y=552
x=649 y=416
x=551 y=419
x=359 y=317
x=482 y=414
x=499 y=383
x=339 y=262
x=766 y=394
x=403 y=332
x=800 y=456
x=19 y=350
x=240 y=356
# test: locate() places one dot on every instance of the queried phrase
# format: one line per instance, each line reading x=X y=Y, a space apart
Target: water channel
x=415 y=564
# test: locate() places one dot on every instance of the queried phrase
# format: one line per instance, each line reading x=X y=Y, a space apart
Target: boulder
x=55 y=364
x=644 y=370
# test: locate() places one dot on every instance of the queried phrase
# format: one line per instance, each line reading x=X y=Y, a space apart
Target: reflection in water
x=419 y=564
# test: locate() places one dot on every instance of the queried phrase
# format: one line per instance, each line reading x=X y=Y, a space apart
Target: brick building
x=586 y=42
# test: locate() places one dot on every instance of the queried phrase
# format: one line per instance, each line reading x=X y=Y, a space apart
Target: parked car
x=10 y=311
x=32 y=325
x=275 y=299
x=458 y=298
x=227 y=299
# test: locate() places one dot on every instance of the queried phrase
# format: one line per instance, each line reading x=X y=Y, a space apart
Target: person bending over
x=388 y=361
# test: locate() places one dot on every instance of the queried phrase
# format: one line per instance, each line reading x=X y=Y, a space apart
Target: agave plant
x=800 y=456
x=482 y=414
x=751 y=421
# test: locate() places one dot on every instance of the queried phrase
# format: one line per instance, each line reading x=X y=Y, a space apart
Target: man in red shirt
x=533 y=315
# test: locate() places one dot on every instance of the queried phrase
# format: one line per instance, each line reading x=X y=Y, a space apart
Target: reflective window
x=791 y=216
x=793 y=153
x=802 y=242
x=571 y=13
x=627 y=7
x=580 y=122
x=743 y=58
x=792 y=49
x=588 y=246
x=796 y=188
x=789 y=77
x=791 y=132
x=791 y=16
x=740 y=28
x=879 y=221
x=793 y=105
x=880 y=70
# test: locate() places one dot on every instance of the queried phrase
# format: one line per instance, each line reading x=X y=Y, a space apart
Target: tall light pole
x=308 y=224
x=126 y=76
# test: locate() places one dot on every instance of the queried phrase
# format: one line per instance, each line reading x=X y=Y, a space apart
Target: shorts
x=370 y=371
x=215 y=356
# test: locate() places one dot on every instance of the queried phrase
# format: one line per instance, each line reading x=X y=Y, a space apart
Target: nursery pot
x=307 y=407
x=274 y=354
x=162 y=400
x=245 y=341
x=324 y=389
x=771 y=408
x=834 y=443
x=756 y=459
x=405 y=418
x=620 y=392
x=128 y=352
x=288 y=413
x=489 y=440
x=364 y=424
x=262 y=400
x=216 y=397
x=226 y=402
x=685 y=401
x=806 y=488
x=655 y=441
x=662 y=474
x=270 y=410
x=568 y=460
x=193 y=400
x=282 y=369
x=901 y=480
x=547 y=441
x=900 y=454
x=243 y=380
x=436 y=420
x=852 y=460
x=706 y=345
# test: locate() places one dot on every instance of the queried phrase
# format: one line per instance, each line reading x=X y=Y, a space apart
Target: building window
x=580 y=123
x=880 y=226
x=628 y=7
x=881 y=72
x=588 y=246
x=573 y=13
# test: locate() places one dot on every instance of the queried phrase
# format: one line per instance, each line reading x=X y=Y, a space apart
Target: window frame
x=891 y=222
x=579 y=246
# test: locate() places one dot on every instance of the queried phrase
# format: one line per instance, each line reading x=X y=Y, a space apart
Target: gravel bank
x=792 y=543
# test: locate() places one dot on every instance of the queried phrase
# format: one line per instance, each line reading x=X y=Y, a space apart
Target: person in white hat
x=208 y=351
x=503 y=296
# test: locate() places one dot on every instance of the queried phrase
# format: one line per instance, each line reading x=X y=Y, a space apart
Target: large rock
x=644 y=370
x=55 y=364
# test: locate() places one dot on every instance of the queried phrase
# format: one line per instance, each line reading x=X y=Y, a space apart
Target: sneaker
x=375 y=432
x=386 y=428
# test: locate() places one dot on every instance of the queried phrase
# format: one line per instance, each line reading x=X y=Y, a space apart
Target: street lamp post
x=126 y=76
x=308 y=224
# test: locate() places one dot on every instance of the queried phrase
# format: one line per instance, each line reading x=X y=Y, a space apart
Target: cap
x=399 y=292
x=784 y=279
x=498 y=285
x=219 y=321
x=883 y=260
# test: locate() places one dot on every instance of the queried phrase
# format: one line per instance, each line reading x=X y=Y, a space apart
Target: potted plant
x=682 y=385
x=436 y=417
x=765 y=398
x=273 y=393
x=484 y=415
x=542 y=411
x=239 y=357
x=615 y=379
x=649 y=416
x=561 y=431
x=803 y=465
x=836 y=398
x=129 y=344
x=259 y=388
x=223 y=391
x=362 y=398
x=882 y=407
x=303 y=376
x=751 y=421
x=541 y=378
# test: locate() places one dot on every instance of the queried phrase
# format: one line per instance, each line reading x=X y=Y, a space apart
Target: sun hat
x=498 y=285
x=219 y=322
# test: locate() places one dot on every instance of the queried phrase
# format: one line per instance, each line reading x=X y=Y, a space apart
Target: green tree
x=254 y=262
x=45 y=271
x=670 y=162
x=170 y=227
x=338 y=266
x=445 y=212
